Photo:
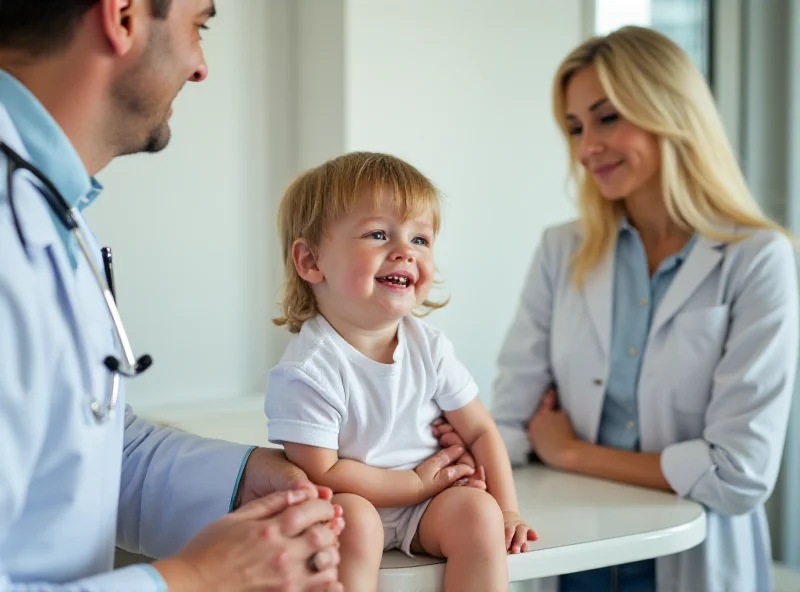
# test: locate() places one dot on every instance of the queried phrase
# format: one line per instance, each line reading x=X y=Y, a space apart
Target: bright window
x=687 y=22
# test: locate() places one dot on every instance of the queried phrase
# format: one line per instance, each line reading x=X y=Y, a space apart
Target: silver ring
x=312 y=563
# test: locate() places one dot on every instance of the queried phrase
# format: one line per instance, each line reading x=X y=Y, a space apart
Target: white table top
x=583 y=523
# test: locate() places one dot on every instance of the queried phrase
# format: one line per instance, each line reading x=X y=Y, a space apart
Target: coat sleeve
x=173 y=484
x=733 y=468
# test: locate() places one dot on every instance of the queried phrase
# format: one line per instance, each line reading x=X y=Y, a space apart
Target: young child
x=354 y=396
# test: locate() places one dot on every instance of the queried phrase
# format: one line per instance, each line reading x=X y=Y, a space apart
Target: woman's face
x=623 y=159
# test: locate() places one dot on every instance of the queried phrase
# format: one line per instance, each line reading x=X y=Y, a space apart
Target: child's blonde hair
x=657 y=87
x=325 y=194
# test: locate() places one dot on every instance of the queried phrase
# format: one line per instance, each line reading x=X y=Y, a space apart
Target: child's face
x=376 y=266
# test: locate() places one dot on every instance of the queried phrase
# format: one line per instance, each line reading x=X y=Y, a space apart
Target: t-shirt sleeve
x=303 y=407
x=455 y=385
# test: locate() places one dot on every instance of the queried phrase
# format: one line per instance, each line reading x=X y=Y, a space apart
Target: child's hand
x=440 y=471
x=478 y=480
x=447 y=436
x=517 y=533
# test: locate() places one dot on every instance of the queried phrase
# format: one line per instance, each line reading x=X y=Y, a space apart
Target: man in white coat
x=81 y=82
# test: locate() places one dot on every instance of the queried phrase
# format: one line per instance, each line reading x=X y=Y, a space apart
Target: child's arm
x=384 y=488
x=480 y=435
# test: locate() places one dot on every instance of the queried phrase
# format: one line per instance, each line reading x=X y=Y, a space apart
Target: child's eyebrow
x=367 y=220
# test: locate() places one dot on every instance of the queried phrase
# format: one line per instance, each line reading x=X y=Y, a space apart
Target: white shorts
x=400 y=525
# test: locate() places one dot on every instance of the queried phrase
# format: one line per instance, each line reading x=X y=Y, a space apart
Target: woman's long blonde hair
x=323 y=195
x=655 y=85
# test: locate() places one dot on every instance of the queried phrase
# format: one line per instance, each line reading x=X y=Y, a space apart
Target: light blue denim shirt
x=50 y=151
x=637 y=295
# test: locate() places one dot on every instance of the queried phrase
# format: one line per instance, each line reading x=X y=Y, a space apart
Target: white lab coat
x=714 y=392
x=70 y=488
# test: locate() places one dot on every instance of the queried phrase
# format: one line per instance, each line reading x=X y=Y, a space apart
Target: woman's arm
x=732 y=468
x=634 y=468
x=552 y=437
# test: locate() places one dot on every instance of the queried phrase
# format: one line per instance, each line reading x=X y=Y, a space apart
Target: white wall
x=458 y=87
x=462 y=90
x=192 y=228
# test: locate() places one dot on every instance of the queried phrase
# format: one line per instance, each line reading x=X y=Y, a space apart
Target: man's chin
x=159 y=139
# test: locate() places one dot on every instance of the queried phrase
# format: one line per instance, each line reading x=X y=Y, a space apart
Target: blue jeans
x=639 y=576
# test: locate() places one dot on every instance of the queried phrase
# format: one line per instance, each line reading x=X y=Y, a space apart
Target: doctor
x=81 y=82
x=665 y=318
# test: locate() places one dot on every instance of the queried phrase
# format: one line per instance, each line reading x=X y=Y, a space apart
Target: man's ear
x=121 y=18
x=305 y=262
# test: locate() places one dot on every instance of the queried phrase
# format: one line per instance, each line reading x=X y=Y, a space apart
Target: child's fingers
x=444 y=428
x=532 y=535
x=478 y=484
x=467 y=459
x=450 y=439
x=520 y=535
x=509 y=536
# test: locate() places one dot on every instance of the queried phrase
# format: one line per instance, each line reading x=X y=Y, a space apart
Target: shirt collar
x=49 y=150
x=625 y=227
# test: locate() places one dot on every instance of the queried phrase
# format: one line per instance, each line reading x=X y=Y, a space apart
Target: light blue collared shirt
x=70 y=487
x=636 y=297
x=50 y=151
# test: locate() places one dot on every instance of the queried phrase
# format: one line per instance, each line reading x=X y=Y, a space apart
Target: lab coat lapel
x=702 y=260
x=598 y=293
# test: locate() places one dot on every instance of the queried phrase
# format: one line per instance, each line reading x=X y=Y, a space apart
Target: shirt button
x=632 y=352
x=643 y=301
x=631 y=424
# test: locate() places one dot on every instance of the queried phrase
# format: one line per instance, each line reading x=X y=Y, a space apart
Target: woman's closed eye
x=610 y=118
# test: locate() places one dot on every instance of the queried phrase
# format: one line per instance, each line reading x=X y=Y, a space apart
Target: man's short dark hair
x=41 y=27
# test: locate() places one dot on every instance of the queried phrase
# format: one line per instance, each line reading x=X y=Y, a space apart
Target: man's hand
x=278 y=542
x=267 y=471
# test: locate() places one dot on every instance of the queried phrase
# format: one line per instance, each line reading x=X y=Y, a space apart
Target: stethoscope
x=129 y=366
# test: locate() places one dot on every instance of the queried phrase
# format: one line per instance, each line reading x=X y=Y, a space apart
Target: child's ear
x=305 y=262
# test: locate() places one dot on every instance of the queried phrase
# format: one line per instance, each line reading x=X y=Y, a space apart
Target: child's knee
x=480 y=518
x=363 y=528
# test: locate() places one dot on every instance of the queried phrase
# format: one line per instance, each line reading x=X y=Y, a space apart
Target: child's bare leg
x=360 y=544
x=465 y=525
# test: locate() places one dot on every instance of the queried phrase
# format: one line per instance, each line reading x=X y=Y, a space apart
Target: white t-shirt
x=326 y=393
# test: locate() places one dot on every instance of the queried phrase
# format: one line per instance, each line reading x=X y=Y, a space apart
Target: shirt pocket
x=696 y=343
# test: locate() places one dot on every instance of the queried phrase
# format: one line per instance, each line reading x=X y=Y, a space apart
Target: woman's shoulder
x=763 y=257
x=760 y=244
x=560 y=241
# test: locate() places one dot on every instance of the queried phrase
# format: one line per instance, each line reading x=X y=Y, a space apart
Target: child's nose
x=403 y=253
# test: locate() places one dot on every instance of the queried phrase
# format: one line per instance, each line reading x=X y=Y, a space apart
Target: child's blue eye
x=420 y=240
x=378 y=235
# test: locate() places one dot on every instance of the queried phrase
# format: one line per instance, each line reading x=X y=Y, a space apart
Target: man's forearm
x=384 y=488
x=490 y=452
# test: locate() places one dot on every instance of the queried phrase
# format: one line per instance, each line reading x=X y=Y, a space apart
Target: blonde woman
x=665 y=319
